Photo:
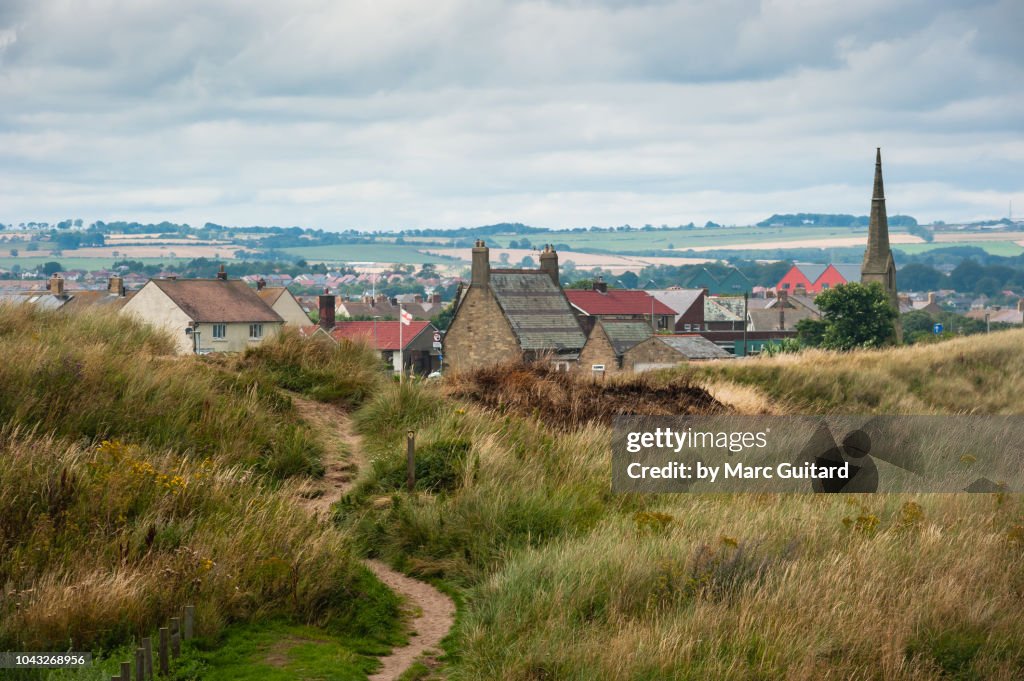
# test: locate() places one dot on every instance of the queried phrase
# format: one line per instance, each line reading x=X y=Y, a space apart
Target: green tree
x=50 y=268
x=14 y=252
x=810 y=332
x=856 y=316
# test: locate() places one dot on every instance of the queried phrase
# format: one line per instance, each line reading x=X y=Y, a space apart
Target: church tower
x=878 y=264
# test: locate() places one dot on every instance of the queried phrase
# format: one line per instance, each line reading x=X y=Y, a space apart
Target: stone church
x=878 y=263
x=507 y=315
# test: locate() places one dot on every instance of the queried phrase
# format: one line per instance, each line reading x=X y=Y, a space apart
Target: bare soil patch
x=564 y=400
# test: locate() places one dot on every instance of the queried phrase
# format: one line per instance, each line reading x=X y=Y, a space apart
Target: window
x=255 y=331
x=785 y=285
x=824 y=287
x=220 y=331
x=686 y=327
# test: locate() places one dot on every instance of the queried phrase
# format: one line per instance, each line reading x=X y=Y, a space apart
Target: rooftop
x=217 y=300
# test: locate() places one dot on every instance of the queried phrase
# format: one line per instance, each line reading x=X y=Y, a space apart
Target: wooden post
x=163 y=650
x=190 y=616
x=140 y=665
x=147 y=653
x=175 y=636
x=410 y=461
x=126 y=671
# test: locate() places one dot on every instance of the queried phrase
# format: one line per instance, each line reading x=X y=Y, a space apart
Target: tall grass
x=104 y=542
x=95 y=375
x=981 y=374
x=561 y=579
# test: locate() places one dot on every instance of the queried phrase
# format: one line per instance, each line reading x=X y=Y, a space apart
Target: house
x=57 y=297
x=662 y=351
x=381 y=306
x=996 y=315
x=205 y=315
x=512 y=315
x=603 y=303
x=280 y=300
x=688 y=304
x=929 y=305
x=608 y=341
x=804 y=278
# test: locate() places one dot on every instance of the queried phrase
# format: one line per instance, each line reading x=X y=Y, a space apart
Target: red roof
x=381 y=334
x=617 y=301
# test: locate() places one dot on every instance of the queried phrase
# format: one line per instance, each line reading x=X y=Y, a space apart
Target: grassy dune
x=133 y=481
x=561 y=579
x=973 y=375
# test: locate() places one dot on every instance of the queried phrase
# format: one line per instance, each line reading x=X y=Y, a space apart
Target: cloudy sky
x=403 y=113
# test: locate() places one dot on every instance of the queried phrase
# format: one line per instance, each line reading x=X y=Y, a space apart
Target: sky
x=389 y=114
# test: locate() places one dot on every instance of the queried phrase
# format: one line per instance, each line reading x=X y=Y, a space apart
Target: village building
x=512 y=315
x=404 y=347
x=810 y=278
x=608 y=341
x=878 y=265
x=281 y=301
x=1000 y=315
x=205 y=315
x=600 y=302
x=688 y=304
x=665 y=351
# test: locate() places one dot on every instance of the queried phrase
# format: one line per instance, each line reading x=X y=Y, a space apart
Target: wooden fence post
x=190 y=616
x=175 y=636
x=126 y=671
x=410 y=461
x=147 y=655
x=140 y=665
x=163 y=650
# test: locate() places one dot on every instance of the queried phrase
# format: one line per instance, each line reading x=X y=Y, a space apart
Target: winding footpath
x=433 y=612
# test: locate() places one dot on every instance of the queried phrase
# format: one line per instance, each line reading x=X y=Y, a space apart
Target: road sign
x=437 y=336
x=937 y=328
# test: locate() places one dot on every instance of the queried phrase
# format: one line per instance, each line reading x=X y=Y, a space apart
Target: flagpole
x=401 y=346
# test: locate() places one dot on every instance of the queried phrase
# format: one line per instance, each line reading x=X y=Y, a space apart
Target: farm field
x=380 y=253
x=77 y=262
x=990 y=246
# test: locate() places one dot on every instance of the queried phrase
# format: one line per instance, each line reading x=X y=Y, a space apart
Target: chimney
x=1020 y=305
x=327 y=310
x=221 y=274
x=783 y=301
x=261 y=284
x=600 y=286
x=417 y=298
x=481 y=264
x=549 y=263
x=56 y=285
x=115 y=285
x=434 y=298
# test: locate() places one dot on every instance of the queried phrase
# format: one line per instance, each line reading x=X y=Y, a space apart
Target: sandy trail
x=432 y=612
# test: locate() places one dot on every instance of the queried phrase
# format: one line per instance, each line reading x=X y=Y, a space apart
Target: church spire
x=877 y=252
x=878 y=263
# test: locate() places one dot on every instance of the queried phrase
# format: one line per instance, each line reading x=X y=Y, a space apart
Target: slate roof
x=625 y=334
x=382 y=335
x=850 y=271
x=713 y=312
x=217 y=300
x=679 y=299
x=617 y=301
x=538 y=311
x=814 y=270
x=694 y=347
x=42 y=300
x=733 y=304
x=768 y=320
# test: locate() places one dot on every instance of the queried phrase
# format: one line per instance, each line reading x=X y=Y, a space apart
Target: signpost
x=937 y=328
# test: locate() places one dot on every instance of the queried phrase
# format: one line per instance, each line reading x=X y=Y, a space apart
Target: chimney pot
x=115 y=285
x=261 y=284
x=327 y=310
x=481 y=269
x=1020 y=305
x=221 y=274
x=600 y=286
x=549 y=263
x=931 y=298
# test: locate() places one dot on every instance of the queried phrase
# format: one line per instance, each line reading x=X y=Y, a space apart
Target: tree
x=919 y=277
x=810 y=332
x=51 y=268
x=856 y=316
x=527 y=262
x=14 y=252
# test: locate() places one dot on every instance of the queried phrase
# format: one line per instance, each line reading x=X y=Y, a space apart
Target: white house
x=205 y=315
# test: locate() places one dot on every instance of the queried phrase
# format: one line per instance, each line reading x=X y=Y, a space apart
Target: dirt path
x=432 y=613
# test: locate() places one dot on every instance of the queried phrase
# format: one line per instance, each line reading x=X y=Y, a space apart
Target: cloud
x=456 y=112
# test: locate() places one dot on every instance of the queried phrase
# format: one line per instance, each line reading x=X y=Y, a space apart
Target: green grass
x=1003 y=248
x=558 y=578
x=70 y=262
x=381 y=252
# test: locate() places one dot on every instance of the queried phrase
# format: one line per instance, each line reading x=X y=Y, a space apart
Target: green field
x=73 y=263
x=1003 y=248
x=383 y=253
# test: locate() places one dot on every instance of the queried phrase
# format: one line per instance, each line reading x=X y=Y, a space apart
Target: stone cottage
x=512 y=315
